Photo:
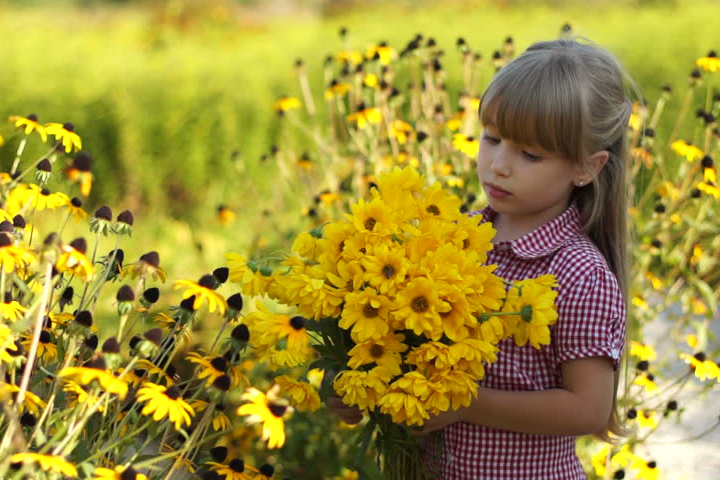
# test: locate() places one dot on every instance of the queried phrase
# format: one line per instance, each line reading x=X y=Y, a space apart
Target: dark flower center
x=297 y=322
x=369 y=311
x=376 y=351
x=433 y=209
x=370 y=223
x=419 y=304
x=700 y=356
x=388 y=271
x=277 y=410
x=466 y=244
x=173 y=393
x=237 y=465
x=219 y=364
x=129 y=474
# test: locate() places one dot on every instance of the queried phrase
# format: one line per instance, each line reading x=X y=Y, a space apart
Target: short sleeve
x=591 y=318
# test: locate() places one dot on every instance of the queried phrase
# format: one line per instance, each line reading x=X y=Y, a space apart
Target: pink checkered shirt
x=591 y=323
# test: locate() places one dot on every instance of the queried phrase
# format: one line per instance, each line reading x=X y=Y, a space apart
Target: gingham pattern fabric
x=591 y=323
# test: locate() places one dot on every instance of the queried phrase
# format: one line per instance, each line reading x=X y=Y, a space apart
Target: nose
x=499 y=163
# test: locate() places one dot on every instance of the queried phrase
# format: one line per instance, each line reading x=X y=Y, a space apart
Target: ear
x=595 y=164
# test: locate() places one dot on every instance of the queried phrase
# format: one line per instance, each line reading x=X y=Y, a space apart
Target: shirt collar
x=545 y=239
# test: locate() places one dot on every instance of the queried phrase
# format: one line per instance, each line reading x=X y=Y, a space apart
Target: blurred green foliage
x=164 y=94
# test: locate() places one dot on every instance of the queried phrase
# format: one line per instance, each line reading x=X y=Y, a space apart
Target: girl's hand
x=349 y=415
x=437 y=422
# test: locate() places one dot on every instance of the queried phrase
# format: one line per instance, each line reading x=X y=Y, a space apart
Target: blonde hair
x=569 y=98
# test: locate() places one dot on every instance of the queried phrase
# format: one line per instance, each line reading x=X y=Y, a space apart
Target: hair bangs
x=533 y=101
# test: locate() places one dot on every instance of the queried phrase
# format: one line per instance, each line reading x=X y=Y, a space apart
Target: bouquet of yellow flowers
x=398 y=299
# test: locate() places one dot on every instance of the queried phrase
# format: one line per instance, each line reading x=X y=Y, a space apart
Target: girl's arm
x=581 y=407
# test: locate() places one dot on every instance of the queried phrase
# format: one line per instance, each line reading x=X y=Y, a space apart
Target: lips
x=495 y=191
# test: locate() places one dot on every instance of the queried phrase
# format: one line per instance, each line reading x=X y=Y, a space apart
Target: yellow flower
x=119 y=473
x=402 y=131
x=404 y=399
x=647 y=419
x=225 y=214
x=46 y=348
x=599 y=460
x=371 y=80
x=710 y=62
x=692 y=340
x=366 y=313
x=382 y=52
x=30 y=123
x=362 y=116
x=419 y=307
x=302 y=394
x=347 y=474
x=430 y=356
x=350 y=56
x=88 y=375
x=710 y=189
x=266 y=410
x=72 y=259
x=165 y=402
x=644 y=155
x=75 y=209
x=470 y=355
x=687 y=150
x=66 y=134
x=220 y=421
x=48 y=463
x=336 y=89
x=252 y=279
x=285 y=104
x=31 y=401
x=12 y=257
x=212 y=367
x=149 y=368
x=438 y=203
x=274 y=328
x=385 y=267
x=6 y=339
x=203 y=292
x=362 y=389
x=646 y=470
x=455 y=122
x=384 y=352
x=306 y=245
x=534 y=299
x=235 y=469
x=643 y=352
x=647 y=382
x=701 y=367
x=467 y=145
x=624 y=457
x=81 y=396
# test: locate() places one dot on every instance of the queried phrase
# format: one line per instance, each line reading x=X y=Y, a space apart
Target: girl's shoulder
x=579 y=261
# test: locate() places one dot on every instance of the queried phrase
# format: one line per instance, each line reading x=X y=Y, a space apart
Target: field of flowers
x=277 y=223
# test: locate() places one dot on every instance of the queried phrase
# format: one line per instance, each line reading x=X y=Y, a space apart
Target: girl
x=552 y=163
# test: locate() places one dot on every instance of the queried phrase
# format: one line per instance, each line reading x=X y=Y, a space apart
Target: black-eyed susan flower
x=101 y=221
x=147 y=266
x=466 y=144
x=336 y=89
x=75 y=210
x=535 y=300
x=404 y=399
x=11 y=309
x=149 y=368
x=383 y=352
x=78 y=395
x=235 y=469
x=352 y=57
x=687 y=150
x=646 y=470
x=33 y=196
x=642 y=351
x=709 y=188
x=165 y=402
x=363 y=116
x=710 y=62
x=225 y=214
x=203 y=291
x=46 y=348
x=99 y=376
x=401 y=131
x=266 y=409
x=646 y=381
x=118 y=473
x=265 y=472
x=65 y=133
x=647 y=418
x=31 y=402
x=303 y=395
x=381 y=52
x=48 y=463
x=285 y=104
x=43 y=171
x=274 y=328
x=210 y=367
x=701 y=366
x=220 y=421
x=72 y=259
x=360 y=388
x=29 y=124
x=80 y=172
x=8 y=347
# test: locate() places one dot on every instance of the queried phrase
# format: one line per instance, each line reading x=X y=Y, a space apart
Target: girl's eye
x=490 y=139
x=532 y=157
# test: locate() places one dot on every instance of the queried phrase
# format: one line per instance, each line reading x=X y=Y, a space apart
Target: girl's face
x=526 y=185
